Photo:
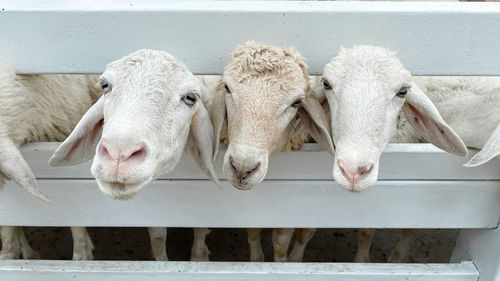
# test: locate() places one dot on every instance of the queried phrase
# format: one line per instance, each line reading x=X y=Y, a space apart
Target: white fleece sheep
x=38 y=108
x=373 y=100
x=151 y=110
x=470 y=106
x=263 y=106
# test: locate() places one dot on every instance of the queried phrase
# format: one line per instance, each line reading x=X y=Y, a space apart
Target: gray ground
x=328 y=245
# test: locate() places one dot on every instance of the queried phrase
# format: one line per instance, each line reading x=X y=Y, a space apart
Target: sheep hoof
x=397 y=258
x=280 y=259
x=200 y=254
x=83 y=252
x=296 y=256
x=162 y=257
x=362 y=258
x=83 y=256
x=257 y=257
x=10 y=251
x=33 y=255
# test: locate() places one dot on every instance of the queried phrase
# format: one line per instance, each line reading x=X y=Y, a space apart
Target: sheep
x=150 y=111
x=367 y=87
x=38 y=108
x=263 y=105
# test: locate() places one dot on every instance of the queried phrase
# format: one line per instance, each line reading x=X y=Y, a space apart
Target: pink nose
x=356 y=176
x=134 y=152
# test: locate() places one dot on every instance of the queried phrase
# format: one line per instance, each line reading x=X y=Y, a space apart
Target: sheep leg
x=200 y=251
x=401 y=253
x=281 y=241
x=365 y=237
x=28 y=252
x=11 y=248
x=82 y=244
x=158 y=238
x=302 y=237
x=256 y=252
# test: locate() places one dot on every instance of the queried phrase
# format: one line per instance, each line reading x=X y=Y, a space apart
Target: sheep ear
x=14 y=167
x=320 y=93
x=314 y=122
x=218 y=115
x=490 y=149
x=201 y=142
x=80 y=145
x=425 y=118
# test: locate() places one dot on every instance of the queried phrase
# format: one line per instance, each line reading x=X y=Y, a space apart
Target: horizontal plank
x=21 y=270
x=274 y=203
x=398 y=162
x=83 y=36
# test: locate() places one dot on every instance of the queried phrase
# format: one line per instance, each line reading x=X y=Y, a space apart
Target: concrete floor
x=328 y=245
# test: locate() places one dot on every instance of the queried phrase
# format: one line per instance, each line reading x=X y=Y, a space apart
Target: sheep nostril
x=232 y=164
x=106 y=150
x=366 y=169
x=136 y=151
x=343 y=168
x=249 y=172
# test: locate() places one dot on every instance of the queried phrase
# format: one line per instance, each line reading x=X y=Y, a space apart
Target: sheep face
x=259 y=114
x=262 y=90
x=138 y=129
x=366 y=88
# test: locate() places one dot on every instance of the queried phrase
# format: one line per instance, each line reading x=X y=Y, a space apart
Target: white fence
x=420 y=186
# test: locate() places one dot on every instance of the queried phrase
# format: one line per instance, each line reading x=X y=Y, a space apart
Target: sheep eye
x=402 y=92
x=297 y=103
x=105 y=86
x=189 y=99
x=227 y=89
x=326 y=85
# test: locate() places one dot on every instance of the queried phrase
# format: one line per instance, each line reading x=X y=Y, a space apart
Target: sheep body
x=210 y=83
x=43 y=107
x=270 y=111
x=39 y=108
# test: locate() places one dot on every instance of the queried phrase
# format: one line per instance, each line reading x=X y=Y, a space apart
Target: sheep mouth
x=242 y=187
x=120 y=190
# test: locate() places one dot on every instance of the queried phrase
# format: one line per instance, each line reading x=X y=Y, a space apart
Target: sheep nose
x=242 y=172
x=354 y=177
x=133 y=152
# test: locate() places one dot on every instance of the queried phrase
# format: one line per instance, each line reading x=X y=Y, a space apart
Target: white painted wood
x=276 y=203
x=223 y=271
x=483 y=247
x=398 y=162
x=420 y=187
x=83 y=36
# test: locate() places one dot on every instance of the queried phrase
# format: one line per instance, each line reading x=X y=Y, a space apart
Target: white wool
x=43 y=107
x=39 y=108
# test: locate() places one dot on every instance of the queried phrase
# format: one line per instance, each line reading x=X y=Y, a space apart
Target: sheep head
x=264 y=97
x=366 y=88
x=139 y=128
